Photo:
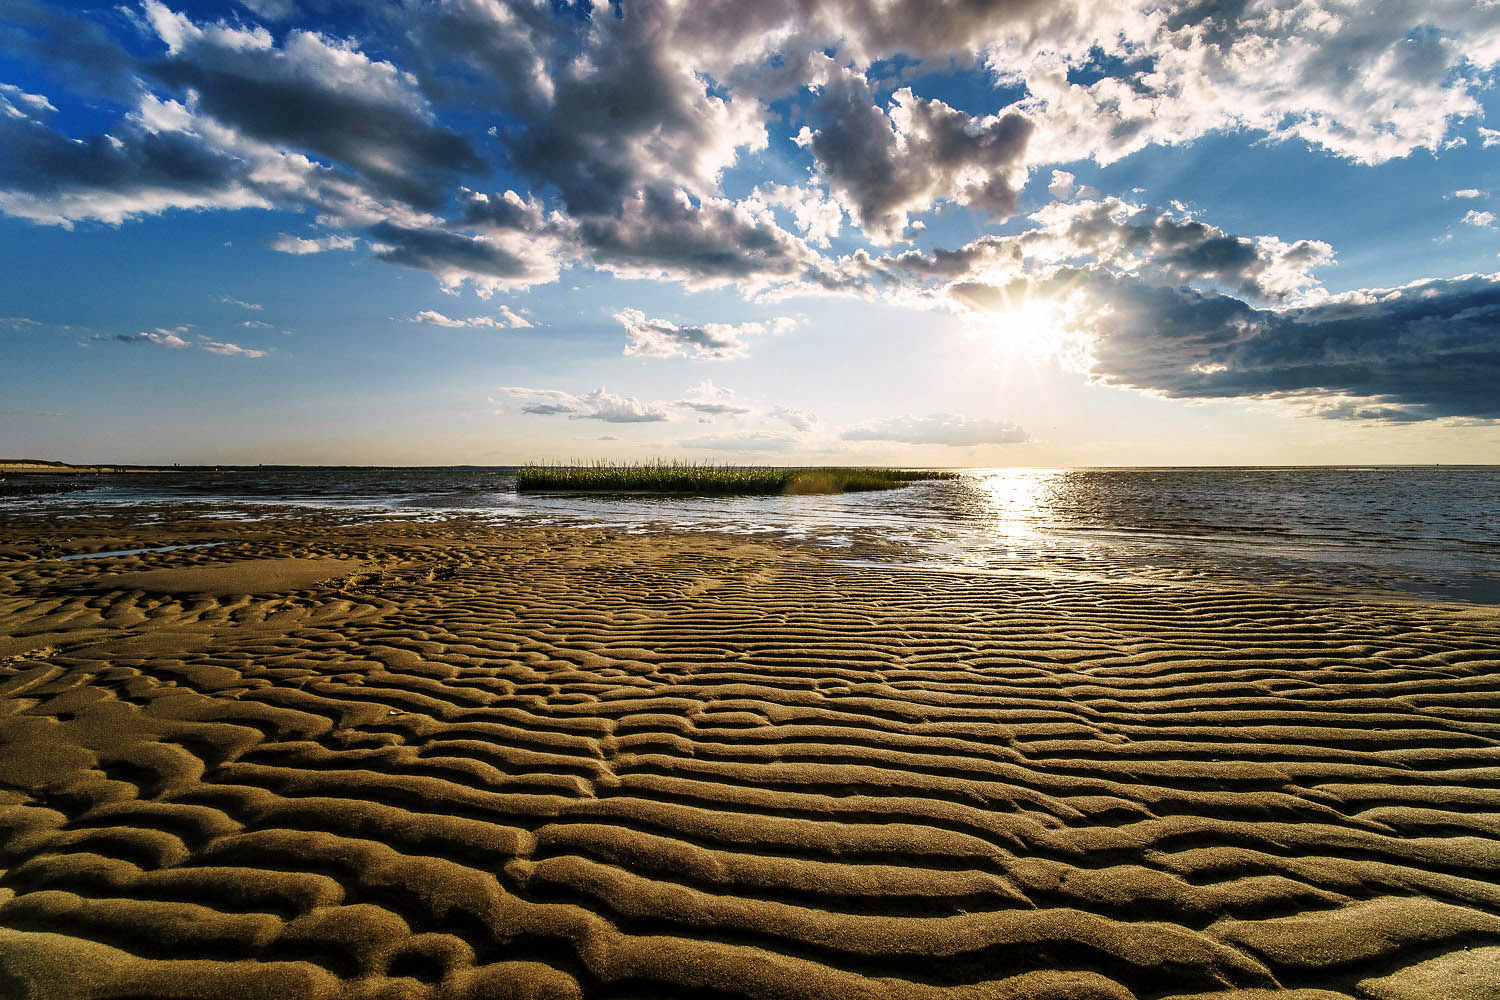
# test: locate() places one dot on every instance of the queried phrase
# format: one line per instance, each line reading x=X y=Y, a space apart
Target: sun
x=1032 y=328
x=1032 y=324
x=1036 y=329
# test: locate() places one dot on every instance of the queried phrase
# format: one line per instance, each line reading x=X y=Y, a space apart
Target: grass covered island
x=710 y=478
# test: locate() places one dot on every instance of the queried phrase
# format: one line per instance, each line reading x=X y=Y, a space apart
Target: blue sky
x=478 y=231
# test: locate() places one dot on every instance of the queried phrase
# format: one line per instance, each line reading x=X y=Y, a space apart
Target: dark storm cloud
x=48 y=177
x=49 y=163
x=1109 y=236
x=455 y=257
x=616 y=124
x=590 y=109
x=636 y=116
x=508 y=211
x=886 y=164
x=319 y=96
x=1428 y=350
x=1174 y=249
x=500 y=55
x=664 y=232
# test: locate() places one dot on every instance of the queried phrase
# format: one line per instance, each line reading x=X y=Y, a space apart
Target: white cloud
x=173 y=338
x=597 y=405
x=513 y=319
x=711 y=401
x=797 y=419
x=230 y=300
x=301 y=246
x=659 y=338
x=165 y=338
x=229 y=350
x=1131 y=237
x=1473 y=194
x=17 y=103
x=1367 y=84
x=508 y=319
x=817 y=216
x=1490 y=136
x=1483 y=220
x=1109 y=236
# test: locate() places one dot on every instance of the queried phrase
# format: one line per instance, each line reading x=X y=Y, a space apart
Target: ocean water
x=1428 y=532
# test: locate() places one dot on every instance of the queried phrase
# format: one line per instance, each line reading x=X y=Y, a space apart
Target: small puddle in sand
x=136 y=552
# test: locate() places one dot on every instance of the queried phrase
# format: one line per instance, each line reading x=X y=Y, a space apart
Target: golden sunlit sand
x=456 y=761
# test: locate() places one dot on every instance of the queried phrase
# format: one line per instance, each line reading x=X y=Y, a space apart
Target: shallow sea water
x=1427 y=532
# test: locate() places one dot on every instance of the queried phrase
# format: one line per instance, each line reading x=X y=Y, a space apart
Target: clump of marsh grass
x=711 y=479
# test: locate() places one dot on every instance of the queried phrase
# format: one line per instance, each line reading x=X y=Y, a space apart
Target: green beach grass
x=706 y=478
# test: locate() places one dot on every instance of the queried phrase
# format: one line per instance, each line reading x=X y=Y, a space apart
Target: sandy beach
x=450 y=760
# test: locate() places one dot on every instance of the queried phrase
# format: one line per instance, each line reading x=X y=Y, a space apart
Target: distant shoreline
x=41 y=466
x=32 y=466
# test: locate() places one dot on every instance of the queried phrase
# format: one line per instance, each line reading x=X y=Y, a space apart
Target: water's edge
x=1427 y=532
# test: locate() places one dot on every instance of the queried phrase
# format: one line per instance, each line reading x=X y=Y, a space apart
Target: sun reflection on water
x=1016 y=501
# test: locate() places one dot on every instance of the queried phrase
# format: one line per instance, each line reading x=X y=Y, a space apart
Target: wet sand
x=406 y=760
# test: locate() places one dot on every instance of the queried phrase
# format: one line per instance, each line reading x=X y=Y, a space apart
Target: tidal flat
x=455 y=759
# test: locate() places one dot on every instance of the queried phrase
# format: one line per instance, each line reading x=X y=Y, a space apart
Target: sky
x=961 y=233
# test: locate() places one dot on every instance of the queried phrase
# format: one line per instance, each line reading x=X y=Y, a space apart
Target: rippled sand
x=460 y=761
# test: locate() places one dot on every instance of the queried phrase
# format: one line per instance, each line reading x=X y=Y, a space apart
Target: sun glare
x=1016 y=501
x=1033 y=328
x=1038 y=330
x=1031 y=324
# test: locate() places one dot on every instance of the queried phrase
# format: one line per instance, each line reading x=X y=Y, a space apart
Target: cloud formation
x=712 y=401
x=885 y=164
x=1426 y=350
x=659 y=338
x=779 y=148
x=597 y=405
x=302 y=246
x=618 y=126
x=319 y=95
x=173 y=339
x=1179 y=250
x=795 y=417
x=508 y=319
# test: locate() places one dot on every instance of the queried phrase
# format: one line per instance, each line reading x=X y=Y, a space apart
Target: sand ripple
x=549 y=763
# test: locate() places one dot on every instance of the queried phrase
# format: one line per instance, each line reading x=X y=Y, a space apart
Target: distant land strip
x=38 y=465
